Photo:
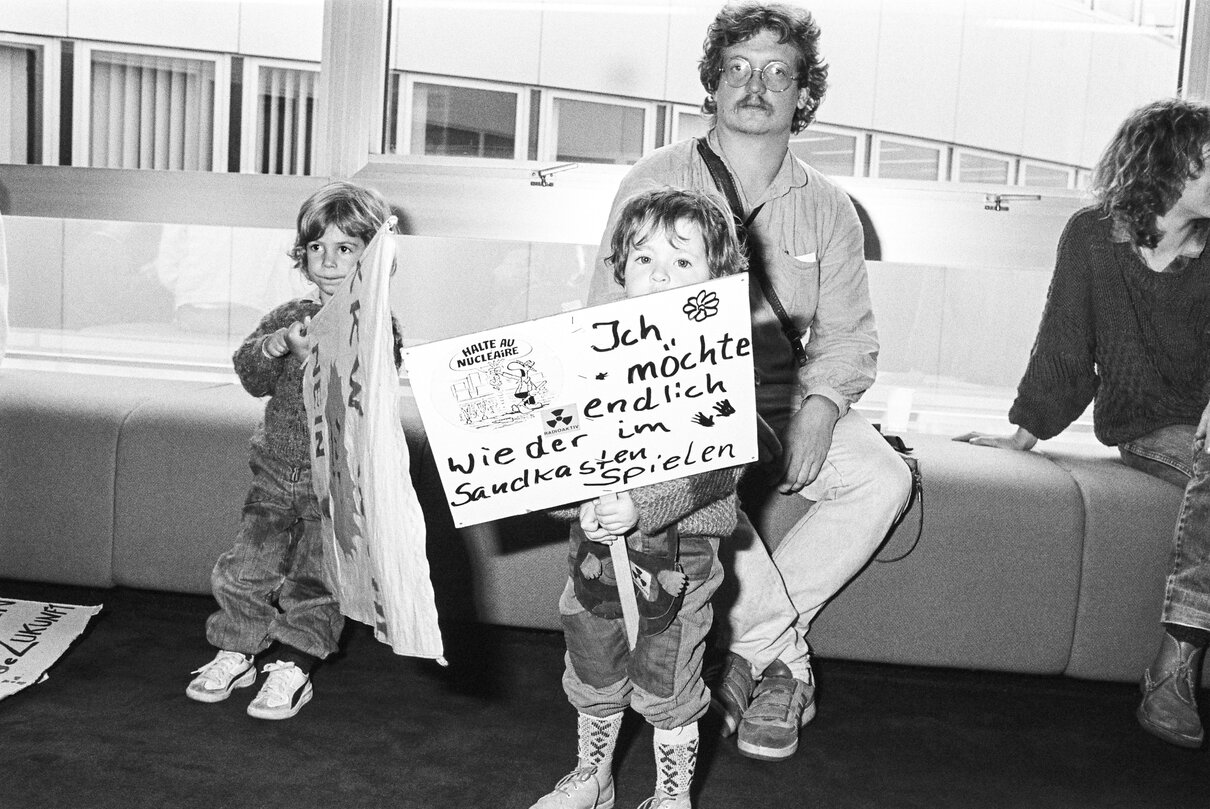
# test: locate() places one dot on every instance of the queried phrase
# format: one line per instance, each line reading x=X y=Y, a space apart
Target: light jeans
x=270 y=586
x=1171 y=454
x=860 y=492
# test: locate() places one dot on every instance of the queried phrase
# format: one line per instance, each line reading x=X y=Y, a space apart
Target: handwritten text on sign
x=33 y=635
x=572 y=406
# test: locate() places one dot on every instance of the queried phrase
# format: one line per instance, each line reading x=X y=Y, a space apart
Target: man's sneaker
x=731 y=691
x=579 y=790
x=217 y=679
x=283 y=694
x=780 y=706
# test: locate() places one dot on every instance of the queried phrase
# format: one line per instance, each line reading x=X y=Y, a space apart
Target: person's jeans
x=270 y=586
x=862 y=488
x=1171 y=454
x=662 y=677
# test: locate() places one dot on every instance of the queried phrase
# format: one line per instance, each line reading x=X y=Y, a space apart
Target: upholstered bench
x=1045 y=562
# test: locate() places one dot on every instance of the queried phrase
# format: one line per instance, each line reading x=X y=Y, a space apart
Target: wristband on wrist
x=264 y=347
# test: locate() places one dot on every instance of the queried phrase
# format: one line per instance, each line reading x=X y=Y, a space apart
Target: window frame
x=959 y=152
x=1025 y=163
x=875 y=161
x=403 y=116
x=250 y=108
x=548 y=134
x=861 y=143
x=51 y=63
x=81 y=140
x=675 y=111
x=348 y=142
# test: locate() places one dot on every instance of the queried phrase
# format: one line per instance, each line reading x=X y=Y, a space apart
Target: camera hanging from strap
x=722 y=179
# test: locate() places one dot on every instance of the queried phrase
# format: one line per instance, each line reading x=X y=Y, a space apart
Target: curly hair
x=1143 y=171
x=792 y=25
x=662 y=209
x=356 y=210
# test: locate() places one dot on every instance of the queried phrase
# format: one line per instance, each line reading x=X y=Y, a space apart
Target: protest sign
x=374 y=532
x=33 y=635
x=573 y=406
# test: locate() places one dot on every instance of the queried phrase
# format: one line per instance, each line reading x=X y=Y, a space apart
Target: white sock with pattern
x=597 y=738
x=675 y=759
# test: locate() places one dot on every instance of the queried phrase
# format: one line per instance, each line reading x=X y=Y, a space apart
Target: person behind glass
x=1127 y=327
x=664 y=239
x=270 y=587
x=765 y=78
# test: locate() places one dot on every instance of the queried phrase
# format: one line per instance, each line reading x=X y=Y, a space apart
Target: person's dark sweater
x=1136 y=340
x=283 y=431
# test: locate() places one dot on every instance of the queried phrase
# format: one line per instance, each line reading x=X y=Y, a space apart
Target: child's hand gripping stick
x=621 y=563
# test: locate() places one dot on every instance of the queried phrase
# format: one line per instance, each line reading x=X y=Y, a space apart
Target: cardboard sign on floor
x=33 y=635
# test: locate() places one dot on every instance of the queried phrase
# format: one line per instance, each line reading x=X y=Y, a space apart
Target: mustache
x=752 y=100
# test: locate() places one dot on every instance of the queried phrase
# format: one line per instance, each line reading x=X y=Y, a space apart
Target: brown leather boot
x=1169 y=706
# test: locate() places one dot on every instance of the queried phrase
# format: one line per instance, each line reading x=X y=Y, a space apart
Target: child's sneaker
x=283 y=694
x=217 y=679
x=580 y=789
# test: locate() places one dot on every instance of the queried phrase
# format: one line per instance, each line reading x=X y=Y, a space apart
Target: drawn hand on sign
x=704 y=420
x=724 y=408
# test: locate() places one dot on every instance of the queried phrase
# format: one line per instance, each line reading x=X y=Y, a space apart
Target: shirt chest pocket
x=796 y=281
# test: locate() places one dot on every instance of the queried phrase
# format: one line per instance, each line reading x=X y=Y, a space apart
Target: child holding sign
x=664 y=239
x=270 y=587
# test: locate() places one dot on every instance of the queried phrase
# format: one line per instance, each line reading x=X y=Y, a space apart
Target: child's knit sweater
x=283 y=432
x=701 y=505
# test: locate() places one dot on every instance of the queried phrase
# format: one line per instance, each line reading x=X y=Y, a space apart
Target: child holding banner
x=665 y=238
x=270 y=586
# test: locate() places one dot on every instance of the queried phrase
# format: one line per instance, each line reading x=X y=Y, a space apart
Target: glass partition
x=176 y=300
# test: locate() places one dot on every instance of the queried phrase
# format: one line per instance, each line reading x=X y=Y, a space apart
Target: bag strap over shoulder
x=722 y=179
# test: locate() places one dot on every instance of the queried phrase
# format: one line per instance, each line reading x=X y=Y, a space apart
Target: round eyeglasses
x=776 y=76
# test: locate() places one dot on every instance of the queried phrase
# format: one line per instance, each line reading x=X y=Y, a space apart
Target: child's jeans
x=270 y=586
x=662 y=677
x=1171 y=454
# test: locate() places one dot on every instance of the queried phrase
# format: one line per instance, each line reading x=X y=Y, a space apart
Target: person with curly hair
x=764 y=78
x=274 y=599
x=1127 y=327
x=665 y=238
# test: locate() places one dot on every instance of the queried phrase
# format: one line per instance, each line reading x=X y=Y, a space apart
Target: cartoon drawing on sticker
x=497 y=382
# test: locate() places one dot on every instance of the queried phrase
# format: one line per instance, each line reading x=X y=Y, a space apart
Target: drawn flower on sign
x=701 y=306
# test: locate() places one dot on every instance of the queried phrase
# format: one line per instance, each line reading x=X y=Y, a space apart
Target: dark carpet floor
x=112 y=727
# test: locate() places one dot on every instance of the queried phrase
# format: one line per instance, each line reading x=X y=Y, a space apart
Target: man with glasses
x=764 y=79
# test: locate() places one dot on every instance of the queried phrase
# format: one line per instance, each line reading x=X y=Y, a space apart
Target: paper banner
x=374 y=532
x=573 y=406
x=33 y=635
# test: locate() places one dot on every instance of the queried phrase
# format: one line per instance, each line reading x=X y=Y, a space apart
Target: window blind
x=285 y=139
x=151 y=112
x=16 y=105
